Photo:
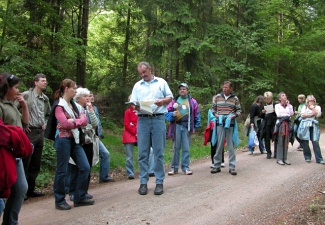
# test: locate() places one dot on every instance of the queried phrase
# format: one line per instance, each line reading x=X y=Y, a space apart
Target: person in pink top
x=63 y=127
x=283 y=111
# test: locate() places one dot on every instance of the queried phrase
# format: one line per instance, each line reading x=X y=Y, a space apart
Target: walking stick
x=175 y=106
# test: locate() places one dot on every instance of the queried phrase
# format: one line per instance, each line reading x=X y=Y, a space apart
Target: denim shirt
x=303 y=131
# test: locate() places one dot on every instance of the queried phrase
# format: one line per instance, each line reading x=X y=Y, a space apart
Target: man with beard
x=39 y=109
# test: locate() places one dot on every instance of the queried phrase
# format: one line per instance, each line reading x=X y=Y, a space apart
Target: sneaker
x=143 y=189
x=300 y=148
x=264 y=152
x=187 y=172
x=308 y=160
x=212 y=165
x=250 y=153
x=321 y=162
x=159 y=190
x=84 y=202
x=63 y=206
x=34 y=194
x=215 y=170
x=287 y=162
x=232 y=172
x=172 y=172
x=106 y=180
x=280 y=162
x=223 y=165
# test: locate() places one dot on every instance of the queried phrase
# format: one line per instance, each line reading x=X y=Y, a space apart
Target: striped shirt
x=223 y=105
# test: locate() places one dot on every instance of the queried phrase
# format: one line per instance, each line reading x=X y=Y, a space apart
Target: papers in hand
x=145 y=106
x=269 y=109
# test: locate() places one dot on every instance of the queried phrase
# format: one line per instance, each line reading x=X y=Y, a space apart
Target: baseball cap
x=183 y=85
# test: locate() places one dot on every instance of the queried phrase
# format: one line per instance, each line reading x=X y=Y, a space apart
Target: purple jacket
x=195 y=118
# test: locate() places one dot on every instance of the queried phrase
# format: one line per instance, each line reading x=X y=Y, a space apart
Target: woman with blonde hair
x=268 y=123
x=309 y=113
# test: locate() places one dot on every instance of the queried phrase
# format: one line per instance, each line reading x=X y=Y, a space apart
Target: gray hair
x=146 y=64
x=81 y=92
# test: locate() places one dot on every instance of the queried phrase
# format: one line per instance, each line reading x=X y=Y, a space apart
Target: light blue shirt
x=152 y=90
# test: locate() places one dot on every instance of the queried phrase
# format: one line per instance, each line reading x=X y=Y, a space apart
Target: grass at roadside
x=113 y=142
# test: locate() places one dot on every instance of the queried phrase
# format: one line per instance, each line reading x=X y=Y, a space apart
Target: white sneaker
x=187 y=172
x=223 y=164
x=172 y=172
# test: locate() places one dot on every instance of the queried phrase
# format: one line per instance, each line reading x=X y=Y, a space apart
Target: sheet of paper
x=269 y=108
x=145 y=106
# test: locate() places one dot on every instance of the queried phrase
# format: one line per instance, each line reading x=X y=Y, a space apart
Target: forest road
x=263 y=192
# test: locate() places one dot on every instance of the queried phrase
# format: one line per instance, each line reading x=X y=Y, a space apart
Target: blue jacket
x=214 y=138
x=303 y=131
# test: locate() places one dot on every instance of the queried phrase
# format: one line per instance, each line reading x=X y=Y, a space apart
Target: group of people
x=73 y=124
x=272 y=122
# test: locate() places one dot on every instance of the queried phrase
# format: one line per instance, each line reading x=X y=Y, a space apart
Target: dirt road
x=263 y=192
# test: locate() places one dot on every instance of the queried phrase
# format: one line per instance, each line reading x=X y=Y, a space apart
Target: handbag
x=85 y=135
x=247 y=121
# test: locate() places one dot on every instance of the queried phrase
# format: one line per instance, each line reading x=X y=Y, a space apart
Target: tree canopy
x=259 y=45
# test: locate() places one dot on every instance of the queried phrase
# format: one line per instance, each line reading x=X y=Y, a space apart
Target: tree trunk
x=126 y=46
x=83 y=35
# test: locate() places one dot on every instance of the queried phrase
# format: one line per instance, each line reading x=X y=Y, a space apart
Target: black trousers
x=32 y=163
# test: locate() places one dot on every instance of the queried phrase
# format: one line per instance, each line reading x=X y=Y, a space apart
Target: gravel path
x=263 y=192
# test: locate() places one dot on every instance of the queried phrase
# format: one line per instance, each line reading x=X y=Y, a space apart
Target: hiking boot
x=215 y=170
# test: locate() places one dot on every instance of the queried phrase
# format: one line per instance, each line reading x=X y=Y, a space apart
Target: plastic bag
x=252 y=138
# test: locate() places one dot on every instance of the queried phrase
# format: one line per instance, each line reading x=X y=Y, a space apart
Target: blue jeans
x=66 y=147
x=183 y=139
x=217 y=159
x=72 y=172
x=151 y=133
x=2 y=206
x=307 y=152
x=104 y=161
x=129 y=149
x=16 y=198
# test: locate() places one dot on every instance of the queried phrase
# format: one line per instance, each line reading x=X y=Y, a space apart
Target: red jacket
x=130 y=126
x=13 y=143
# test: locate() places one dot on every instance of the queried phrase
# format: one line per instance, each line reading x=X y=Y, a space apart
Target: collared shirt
x=282 y=111
x=10 y=114
x=152 y=91
x=38 y=106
